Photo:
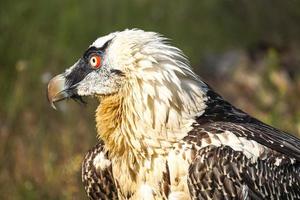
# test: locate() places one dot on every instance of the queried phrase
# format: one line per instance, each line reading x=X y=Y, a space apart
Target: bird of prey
x=165 y=134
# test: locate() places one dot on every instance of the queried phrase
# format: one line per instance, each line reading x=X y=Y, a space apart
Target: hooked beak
x=64 y=86
x=57 y=90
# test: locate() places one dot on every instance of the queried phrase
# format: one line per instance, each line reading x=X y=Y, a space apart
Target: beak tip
x=53 y=105
x=55 y=90
x=51 y=102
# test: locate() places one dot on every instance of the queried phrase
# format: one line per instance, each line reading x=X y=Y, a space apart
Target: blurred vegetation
x=247 y=50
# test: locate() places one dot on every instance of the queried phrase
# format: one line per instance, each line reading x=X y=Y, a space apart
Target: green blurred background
x=249 y=51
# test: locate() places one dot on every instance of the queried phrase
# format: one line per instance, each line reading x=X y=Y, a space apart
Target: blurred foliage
x=248 y=50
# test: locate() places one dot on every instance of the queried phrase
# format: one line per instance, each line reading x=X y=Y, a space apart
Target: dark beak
x=57 y=90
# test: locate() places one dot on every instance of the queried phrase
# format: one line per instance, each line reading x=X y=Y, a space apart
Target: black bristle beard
x=79 y=99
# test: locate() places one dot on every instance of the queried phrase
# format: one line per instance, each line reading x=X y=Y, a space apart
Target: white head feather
x=162 y=95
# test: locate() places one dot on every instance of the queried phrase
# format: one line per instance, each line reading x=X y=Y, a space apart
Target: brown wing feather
x=98 y=184
x=222 y=173
x=220 y=114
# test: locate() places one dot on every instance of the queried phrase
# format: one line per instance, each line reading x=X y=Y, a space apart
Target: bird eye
x=95 y=62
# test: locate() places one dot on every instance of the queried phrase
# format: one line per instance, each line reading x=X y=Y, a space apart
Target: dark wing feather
x=273 y=138
x=276 y=140
x=98 y=184
x=220 y=114
x=222 y=173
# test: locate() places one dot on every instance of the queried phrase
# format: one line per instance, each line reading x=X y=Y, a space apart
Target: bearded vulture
x=165 y=134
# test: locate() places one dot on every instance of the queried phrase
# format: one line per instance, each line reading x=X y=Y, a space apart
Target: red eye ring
x=95 y=61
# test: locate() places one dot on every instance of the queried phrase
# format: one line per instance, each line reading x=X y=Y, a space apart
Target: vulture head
x=142 y=83
x=98 y=72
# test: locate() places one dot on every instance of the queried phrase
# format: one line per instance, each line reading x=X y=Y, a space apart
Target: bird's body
x=165 y=134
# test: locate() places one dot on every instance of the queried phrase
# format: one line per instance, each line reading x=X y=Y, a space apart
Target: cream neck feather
x=157 y=104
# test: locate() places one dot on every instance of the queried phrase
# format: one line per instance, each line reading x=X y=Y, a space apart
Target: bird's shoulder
x=238 y=156
x=223 y=124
